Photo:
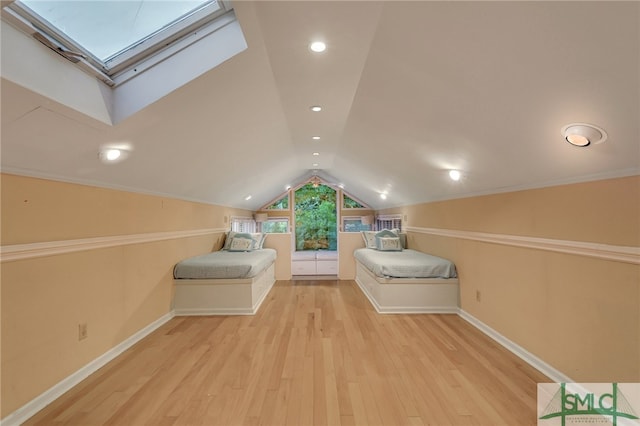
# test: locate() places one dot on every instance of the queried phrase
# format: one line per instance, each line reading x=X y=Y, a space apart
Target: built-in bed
x=234 y=280
x=400 y=280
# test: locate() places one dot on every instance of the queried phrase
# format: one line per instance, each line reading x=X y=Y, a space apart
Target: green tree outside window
x=316 y=225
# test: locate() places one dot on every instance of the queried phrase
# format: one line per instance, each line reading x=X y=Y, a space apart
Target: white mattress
x=405 y=264
x=225 y=265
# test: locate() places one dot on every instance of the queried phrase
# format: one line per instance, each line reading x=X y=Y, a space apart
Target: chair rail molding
x=625 y=254
x=10 y=253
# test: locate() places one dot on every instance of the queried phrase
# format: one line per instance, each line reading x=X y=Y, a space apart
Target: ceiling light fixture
x=315 y=164
x=316 y=108
x=383 y=196
x=455 y=175
x=247 y=198
x=315 y=138
x=583 y=134
x=315 y=154
x=318 y=46
x=114 y=153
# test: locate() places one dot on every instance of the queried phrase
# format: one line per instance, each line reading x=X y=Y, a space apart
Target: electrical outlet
x=477 y=295
x=82 y=331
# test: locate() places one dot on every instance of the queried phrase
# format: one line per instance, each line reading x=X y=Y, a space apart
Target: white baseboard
x=28 y=410
x=519 y=351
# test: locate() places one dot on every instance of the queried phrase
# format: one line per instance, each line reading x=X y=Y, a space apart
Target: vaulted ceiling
x=409 y=90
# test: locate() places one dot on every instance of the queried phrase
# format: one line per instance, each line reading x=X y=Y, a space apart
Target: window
x=243 y=224
x=354 y=224
x=113 y=36
x=350 y=203
x=275 y=225
x=281 y=204
x=389 y=222
x=316 y=217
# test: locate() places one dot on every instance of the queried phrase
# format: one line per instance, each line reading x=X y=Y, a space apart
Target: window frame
x=276 y=219
x=343 y=207
x=141 y=55
x=380 y=220
x=345 y=218
x=287 y=196
x=238 y=223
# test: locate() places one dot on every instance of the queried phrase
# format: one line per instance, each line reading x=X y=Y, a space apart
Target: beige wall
x=347 y=243
x=116 y=291
x=579 y=314
x=282 y=244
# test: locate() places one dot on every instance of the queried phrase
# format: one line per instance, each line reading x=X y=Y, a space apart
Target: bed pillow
x=240 y=243
x=369 y=238
x=388 y=243
x=227 y=240
x=257 y=237
x=386 y=233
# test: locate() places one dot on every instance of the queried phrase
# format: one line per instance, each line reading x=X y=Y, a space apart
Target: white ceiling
x=409 y=90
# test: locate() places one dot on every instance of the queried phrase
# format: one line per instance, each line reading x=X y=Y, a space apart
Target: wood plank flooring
x=316 y=353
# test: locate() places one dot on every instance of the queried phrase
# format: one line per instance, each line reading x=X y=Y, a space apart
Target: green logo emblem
x=611 y=405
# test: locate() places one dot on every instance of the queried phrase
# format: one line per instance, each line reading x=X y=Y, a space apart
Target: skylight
x=141 y=49
x=113 y=35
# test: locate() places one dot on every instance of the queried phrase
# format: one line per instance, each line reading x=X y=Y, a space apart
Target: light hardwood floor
x=316 y=353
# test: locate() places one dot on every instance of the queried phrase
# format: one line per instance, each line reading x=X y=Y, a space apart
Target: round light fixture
x=455 y=175
x=114 y=152
x=583 y=134
x=318 y=46
x=247 y=198
x=383 y=196
x=315 y=108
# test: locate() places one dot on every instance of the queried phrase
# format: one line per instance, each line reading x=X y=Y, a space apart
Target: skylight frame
x=142 y=51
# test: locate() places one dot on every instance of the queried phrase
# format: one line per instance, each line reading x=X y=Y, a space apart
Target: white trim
x=519 y=351
x=239 y=296
x=409 y=295
x=626 y=254
x=28 y=410
x=15 y=252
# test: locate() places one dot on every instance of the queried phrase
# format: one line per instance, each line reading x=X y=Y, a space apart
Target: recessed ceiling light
x=288 y=187
x=114 y=153
x=318 y=46
x=315 y=154
x=383 y=196
x=315 y=164
x=455 y=175
x=315 y=138
x=316 y=108
x=583 y=134
x=247 y=198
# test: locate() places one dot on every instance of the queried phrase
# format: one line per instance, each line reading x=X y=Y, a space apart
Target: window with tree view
x=350 y=203
x=315 y=216
x=281 y=204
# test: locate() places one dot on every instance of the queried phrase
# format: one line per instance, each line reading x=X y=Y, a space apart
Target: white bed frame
x=409 y=295
x=241 y=296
